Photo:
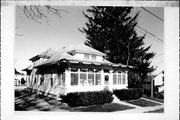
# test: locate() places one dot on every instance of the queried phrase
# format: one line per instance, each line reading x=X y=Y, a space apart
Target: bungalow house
x=75 y=69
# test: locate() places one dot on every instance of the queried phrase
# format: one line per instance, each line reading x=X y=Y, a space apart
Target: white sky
x=63 y=31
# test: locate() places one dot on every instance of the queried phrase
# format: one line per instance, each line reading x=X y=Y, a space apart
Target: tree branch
x=35 y=12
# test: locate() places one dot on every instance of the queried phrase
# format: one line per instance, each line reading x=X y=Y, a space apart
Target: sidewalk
x=138 y=109
x=141 y=109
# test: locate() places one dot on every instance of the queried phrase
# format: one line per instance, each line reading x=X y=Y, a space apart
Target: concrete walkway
x=141 y=109
x=138 y=109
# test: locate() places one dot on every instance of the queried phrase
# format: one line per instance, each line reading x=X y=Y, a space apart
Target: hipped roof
x=65 y=54
x=46 y=54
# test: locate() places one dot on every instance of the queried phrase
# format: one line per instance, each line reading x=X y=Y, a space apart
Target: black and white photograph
x=91 y=60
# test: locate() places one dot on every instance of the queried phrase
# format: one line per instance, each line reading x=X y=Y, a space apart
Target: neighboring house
x=75 y=69
x=148 y=84
x=159 y=81
x=19 y=78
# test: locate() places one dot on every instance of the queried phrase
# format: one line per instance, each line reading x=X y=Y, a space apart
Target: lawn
x=143 y=103
x=109 y=107
x=155 y=99
x=25 y=101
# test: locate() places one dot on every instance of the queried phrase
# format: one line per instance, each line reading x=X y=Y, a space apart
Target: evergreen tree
x=112 y=30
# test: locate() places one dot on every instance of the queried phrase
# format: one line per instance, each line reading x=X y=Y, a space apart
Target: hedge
x=128 y=94
x=159 y=95
x=87 y=98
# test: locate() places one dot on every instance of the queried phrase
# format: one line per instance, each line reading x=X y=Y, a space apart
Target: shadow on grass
x=25 y=101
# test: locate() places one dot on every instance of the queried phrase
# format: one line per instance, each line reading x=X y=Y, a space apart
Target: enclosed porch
x=82 y=77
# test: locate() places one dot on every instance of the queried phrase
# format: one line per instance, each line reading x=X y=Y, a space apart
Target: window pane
x=83 y=80
x=63 y=79
x=51 y=81
x=98 y=79
x=59 y=79
x=42 y=80
x=119 y=78
x=93 y=57
x=74 y=79
x=115 y=79
x=124 y=78
x=86 y=56
x=91 y=79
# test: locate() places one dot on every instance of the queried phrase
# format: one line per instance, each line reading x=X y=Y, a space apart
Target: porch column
x=102 y=78
x=126 y=78
x=67 y=80
x=78 y=76
x=111 y=80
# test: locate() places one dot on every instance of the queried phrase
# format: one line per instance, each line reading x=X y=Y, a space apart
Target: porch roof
x=28 y=68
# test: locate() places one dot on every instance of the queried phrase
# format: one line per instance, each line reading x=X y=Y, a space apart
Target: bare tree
x=37 y=12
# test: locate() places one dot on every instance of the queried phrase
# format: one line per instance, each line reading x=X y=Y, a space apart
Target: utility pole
x=152 y=83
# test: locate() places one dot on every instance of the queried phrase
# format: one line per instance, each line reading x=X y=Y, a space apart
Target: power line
x=150 y=33
x=150 y=36
x=137 y=26
x=152 y=14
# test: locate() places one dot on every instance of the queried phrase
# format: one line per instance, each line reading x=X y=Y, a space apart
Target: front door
x=106 y=81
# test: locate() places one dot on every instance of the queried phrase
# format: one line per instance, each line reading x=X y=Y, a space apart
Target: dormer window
x=86 y=56
x=93 y=57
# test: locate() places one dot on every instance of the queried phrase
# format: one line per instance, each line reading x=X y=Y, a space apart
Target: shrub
x=87 y=98
x=128 y=94
x=159 y=95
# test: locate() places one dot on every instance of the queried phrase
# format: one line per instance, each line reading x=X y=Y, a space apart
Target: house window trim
x=86 y=73
x=122 y=76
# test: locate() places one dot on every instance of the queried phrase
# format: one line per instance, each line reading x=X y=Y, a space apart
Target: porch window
x=98 y=79
x=114 y=78
x=86 y=56
x=51 y=81
x=83 y=80
x=74 y=78
x=124 y=79
x=119 y=78
x=61 y=79
x=42 y=80
x=93 y=57
x=90 y=79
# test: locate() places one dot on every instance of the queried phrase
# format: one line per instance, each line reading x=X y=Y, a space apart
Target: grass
x=157 y=111
x=25 y=101
x=109 y=107
x=143 y=103
x=155 y=99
